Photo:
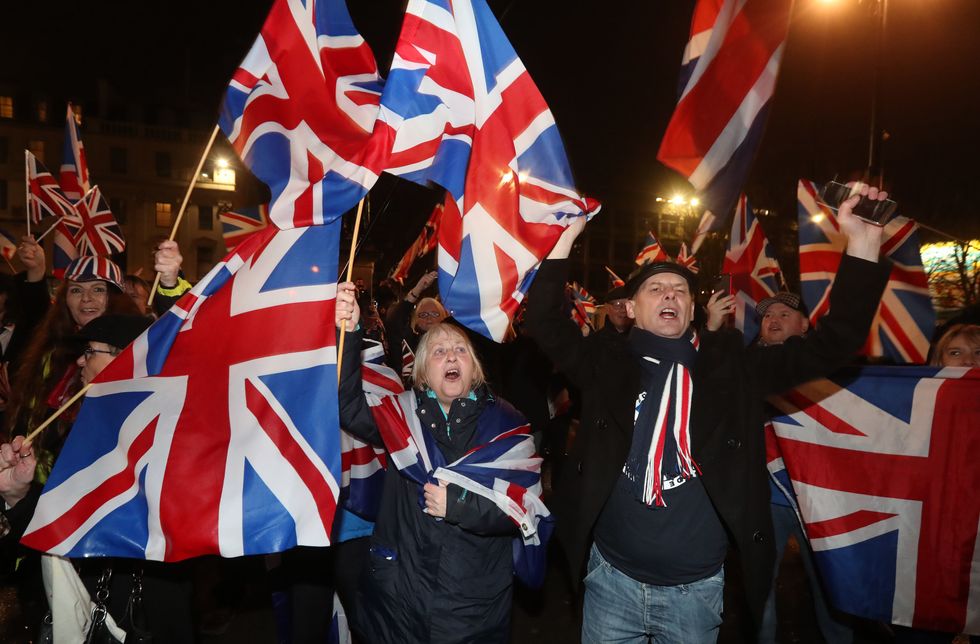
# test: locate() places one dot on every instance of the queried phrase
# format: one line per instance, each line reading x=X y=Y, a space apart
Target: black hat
x=792 y=300
x=115 y=330
x=618 y=293
x=641 y=274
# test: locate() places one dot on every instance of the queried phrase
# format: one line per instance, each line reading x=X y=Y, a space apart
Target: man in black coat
x=669 y=464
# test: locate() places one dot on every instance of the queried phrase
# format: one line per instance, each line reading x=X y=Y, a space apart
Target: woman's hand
x=427 y=280
x=32 y=257
x=719 y=306
x=346 y=310
x=17 y=463
x=435 y=499
x=166 y=261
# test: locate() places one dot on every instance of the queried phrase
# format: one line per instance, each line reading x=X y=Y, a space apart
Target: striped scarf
x=661 y=446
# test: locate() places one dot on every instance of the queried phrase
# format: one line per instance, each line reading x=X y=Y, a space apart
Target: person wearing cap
x=669 y=467
x=614 y=306
x=20 y=485
x=783 y=317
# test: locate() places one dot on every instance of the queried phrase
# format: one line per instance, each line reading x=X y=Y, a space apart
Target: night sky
x=609 y=72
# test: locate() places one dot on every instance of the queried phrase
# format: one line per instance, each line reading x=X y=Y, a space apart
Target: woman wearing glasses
x=408 y=320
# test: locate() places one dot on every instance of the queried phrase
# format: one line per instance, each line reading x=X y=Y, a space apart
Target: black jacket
x=730 y=384
x=431 y=580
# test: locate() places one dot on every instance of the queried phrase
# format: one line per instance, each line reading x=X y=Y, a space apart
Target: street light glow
x=222 y=163
x=695 y=201
x=817 y=218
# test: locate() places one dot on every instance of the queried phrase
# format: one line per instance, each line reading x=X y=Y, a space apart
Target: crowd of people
x=659 y=478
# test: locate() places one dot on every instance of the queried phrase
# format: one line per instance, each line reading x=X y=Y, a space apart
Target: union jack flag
x=906 y=319
x=463 y=112
x=687 y=259
x=882 y=464
x=755 y=272
x=92 y=227
x=44 y=196
x=422 y=246
x=503 y=468
x=238 y=225
x=200 y=438
x=615 y=281
x=652 y=252
x=74 y=169
x=300 y=111
x=362 y=465
x=582 y=306
x=408 y=361
x=728 y=75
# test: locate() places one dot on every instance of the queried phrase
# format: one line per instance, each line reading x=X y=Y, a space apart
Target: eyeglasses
x=89 y=352
x=428 y=315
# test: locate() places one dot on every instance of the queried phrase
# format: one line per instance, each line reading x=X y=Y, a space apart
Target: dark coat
x=730 y=385
x=432 y=580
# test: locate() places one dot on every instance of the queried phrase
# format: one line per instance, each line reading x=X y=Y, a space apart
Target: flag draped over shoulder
x=424 y=244
x=237 y=225
x=882 y=463
x=905 y=321
x=74 y=168
x=728 y=75
x=200 y=437
x=754 y=270
x=300 y=111
x=503 y=468
x=461 y=111
x=652 y=252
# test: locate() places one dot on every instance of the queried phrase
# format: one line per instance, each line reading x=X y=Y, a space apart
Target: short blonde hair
x=422 y=354
x=969 y=331
x=426 y=300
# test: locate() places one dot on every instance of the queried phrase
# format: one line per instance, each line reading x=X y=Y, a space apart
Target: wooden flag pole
x=27 y=190
x=350 y=271
x=45 y=233
x=183 y=206
x=53 y=417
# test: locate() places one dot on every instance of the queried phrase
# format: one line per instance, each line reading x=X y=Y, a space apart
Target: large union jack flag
x=463 y=112
x=728 y=75
x=301 y=108
x=74 y=169
x=882 y=463
x=215 y=432
x=905 y=321
x=44 y=196
x=755 y=272
x=92 y=227
x=237 y=225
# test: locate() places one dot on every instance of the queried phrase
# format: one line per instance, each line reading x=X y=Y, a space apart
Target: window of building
x=37 y=149
x=117 y=160
x=205 y=218
x=118 y=208
x=42 y=111
x=4 y=149
x=164 y=214
x=6 y=107
x=163 y=164
x=3 y=195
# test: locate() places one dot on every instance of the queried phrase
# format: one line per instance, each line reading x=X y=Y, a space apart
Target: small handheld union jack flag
x=44 y=196
x=651 y=252
x=92 y=227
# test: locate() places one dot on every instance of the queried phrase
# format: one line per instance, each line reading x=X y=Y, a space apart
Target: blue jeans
x=620 y=609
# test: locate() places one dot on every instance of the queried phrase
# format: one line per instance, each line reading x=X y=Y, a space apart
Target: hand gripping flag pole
x=183 y=206
x=350 y=271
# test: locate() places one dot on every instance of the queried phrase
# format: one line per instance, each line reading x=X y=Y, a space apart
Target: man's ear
x=806 y=323
x=630 y=312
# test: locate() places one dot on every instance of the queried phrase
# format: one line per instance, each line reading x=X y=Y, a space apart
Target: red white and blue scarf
x=503 y=467
x=661 y=446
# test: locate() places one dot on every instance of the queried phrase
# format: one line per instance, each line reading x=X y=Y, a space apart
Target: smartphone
x=872 y=211
x=722 y=283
